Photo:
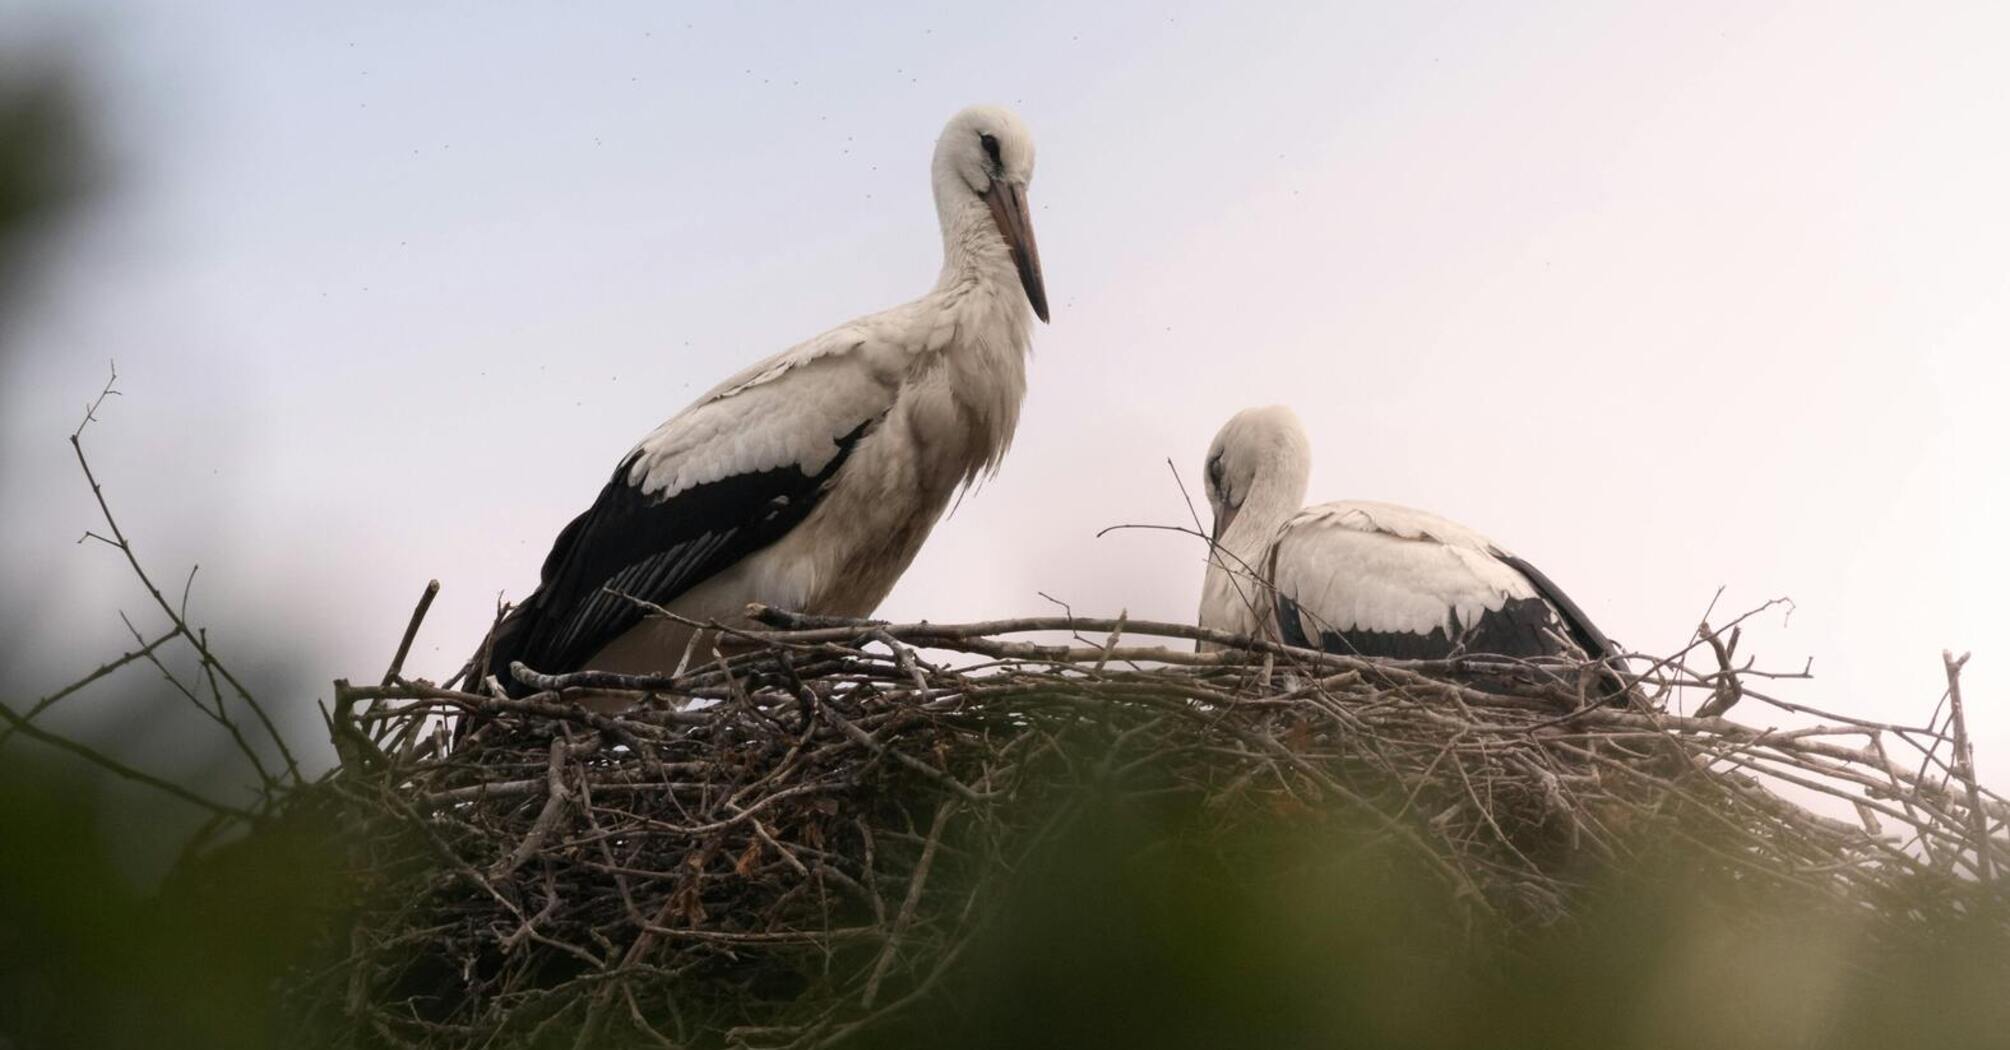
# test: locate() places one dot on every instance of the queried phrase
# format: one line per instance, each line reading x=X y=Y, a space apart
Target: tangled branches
x=213 y=691
x=808 y=841
x=780 y=849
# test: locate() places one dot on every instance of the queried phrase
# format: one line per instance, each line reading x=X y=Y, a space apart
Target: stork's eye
x=990 y=143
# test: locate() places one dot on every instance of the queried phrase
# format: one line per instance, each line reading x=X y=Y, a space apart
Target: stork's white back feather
x=784 y=411
x=1377 y=566
x=788 y=409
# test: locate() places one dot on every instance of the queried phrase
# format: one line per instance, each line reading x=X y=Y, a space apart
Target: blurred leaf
x=42 y=151
x=45 y=169
x=89 y=959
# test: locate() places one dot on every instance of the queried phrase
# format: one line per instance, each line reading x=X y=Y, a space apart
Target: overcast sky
x=1662 y=297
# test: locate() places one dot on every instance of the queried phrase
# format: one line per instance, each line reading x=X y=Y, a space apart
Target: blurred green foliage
x=1134 y=932
x=1133 y=928
x=89 y=958
x=45 y=165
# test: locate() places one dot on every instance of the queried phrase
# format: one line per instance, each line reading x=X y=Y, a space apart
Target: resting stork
x=1364 y=578
x=809 y=480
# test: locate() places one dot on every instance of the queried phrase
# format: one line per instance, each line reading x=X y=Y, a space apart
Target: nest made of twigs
x=786 y=846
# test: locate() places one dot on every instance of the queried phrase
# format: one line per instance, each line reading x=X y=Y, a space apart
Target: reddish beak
x=1008 y=210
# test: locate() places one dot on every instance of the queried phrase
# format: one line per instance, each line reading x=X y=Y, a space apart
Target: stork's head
x=1261 y=454
x=985 y=155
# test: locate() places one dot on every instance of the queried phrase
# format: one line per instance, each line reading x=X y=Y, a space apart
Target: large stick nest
x=782 y=848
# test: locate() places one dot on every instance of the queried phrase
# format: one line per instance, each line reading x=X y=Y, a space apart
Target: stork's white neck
x=965 y=344
x=1235 y=593
x=974 y=253
x=1272 y=500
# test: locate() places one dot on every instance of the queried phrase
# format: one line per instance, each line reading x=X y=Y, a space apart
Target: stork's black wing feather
x=632 y=544
x=1582 y=631
x=1517 y=628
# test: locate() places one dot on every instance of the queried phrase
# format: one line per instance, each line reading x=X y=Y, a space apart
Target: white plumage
x=1356 y=576
x=810 y=479
x=1381 y=567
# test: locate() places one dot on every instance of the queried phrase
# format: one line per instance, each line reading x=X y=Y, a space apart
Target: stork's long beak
x=1223 y=518
x=1008 y=210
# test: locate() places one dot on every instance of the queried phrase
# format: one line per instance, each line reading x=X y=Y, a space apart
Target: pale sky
x=1662 y=297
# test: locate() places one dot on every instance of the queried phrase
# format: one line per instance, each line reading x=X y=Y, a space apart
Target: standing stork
x=809 y=480
x=1365 y=578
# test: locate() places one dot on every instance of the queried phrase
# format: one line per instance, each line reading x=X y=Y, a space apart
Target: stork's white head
x=1261 y=456
x=985 y=155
